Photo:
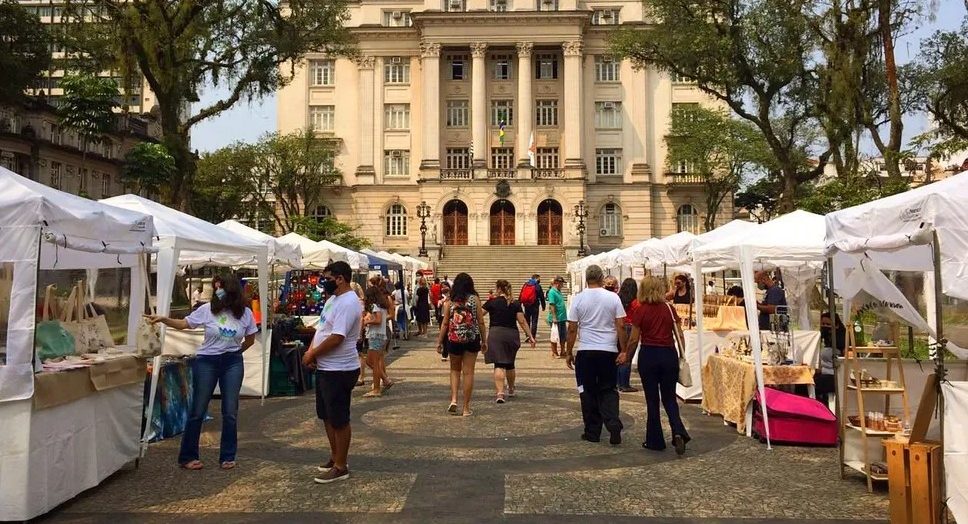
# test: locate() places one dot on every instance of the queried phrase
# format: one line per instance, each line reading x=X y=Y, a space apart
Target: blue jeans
x=659 y=371
x=208 y=370
x=531 y=314
x=624 y=377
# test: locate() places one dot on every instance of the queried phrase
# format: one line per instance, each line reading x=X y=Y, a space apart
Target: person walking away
x=400 y=318
x=596 y=321
x=532 y=300
x=628 y=294
x=557 y=317
x=374 y=324
x=333 y=355
x=229 y=331
x=656 y=327
x=362 y=346
x=435 y=298
x=463 y=330
x=422 y=308
x=775 y=296
x=504 y=339
x=444 y=298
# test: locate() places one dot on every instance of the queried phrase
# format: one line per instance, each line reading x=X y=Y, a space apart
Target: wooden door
x=549 y=223
x=455 y=223
x=502 y=223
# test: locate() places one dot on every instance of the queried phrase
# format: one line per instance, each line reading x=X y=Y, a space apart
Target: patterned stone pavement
x=517 y=462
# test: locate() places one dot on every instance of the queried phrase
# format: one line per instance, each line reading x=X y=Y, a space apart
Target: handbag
x=148 y=336
x=555 y=335
x=685 y=373
x=86 y=339
x=104 y=338
x=52 y=340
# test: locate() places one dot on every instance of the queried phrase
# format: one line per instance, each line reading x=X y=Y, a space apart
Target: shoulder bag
x=685 y=373
x=52 y=340
x=148 y=337
x=74 y=320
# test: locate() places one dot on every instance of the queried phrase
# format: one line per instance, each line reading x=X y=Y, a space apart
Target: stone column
x=479 y=109
x=573 y=104
x=430 y=64
x=365 y=166
x=524 y=112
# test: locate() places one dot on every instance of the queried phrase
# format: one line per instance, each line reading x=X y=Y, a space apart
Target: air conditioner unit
x=603 y=232
x=608 y=105
x=605 y=15
x=397 y=15
x=607 y=59
x=395 y=60
x=396 y=154
x=455 y=5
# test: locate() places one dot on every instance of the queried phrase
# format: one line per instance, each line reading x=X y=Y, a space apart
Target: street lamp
x=423 y=211
x=581 y=213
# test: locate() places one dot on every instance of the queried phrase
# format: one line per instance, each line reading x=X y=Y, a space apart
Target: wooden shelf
x=858 y=466
x=873 y=432
x=886 y=391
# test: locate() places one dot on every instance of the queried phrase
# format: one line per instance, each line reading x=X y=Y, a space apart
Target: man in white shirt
x=596 y=320
x=333 y=354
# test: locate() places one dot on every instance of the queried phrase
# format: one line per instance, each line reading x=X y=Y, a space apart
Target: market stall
x=314 y=255
x=65 y=431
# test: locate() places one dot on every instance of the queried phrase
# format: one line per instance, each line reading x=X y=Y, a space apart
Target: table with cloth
x=729 y=385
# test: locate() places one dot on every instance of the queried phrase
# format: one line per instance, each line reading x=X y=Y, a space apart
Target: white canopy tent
x=357 y=261
x=663 y=252
x=50 y=455
x=924 y=230
x=280 y=253
x=314 y=255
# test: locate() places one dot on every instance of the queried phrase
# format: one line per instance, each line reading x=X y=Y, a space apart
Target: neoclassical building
x=502 y=116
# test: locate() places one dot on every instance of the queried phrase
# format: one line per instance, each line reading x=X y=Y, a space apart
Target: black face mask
x=329 y=287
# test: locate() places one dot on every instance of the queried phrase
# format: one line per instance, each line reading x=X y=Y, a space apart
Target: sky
x=247 y=122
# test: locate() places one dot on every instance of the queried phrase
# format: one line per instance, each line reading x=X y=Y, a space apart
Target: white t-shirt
x=377 y=330
x=341 y=315
x=595 y=311
x=223 y=332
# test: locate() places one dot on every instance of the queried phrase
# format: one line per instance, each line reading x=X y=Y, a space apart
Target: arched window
x=687 y=219
x=322 y=213
x=611 y=220
x=396 y=221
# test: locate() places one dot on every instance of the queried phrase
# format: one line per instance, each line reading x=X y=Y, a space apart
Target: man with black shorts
x=334 y=356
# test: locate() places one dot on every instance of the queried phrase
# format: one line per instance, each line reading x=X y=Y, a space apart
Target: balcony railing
x=685 y=178
x=456 y=174
x=546 y=173
x=502 y=173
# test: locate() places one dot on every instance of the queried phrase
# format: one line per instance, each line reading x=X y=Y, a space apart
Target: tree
x=225 y=183
x=760 y=198
x=24 y=50
x=332 y=230
x=181 y=46
x=720 y=149
x=87 y=107
x=147 y=168
x=753 y=55
x=844 y=191
x=940 y=82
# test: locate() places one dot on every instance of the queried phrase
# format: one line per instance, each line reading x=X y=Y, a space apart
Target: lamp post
x=423 y=211
x=581 y=213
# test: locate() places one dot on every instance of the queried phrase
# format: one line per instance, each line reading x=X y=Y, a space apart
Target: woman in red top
x=654 y=324
x=628 y=295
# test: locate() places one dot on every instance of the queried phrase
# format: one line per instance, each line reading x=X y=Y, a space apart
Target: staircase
x=487 y=264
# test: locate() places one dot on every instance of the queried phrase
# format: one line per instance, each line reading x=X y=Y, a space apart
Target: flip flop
x=467 y=413
x=193 y=465
x=228 y=464
x=388 y=386
x=372 y=394
x=452 y=408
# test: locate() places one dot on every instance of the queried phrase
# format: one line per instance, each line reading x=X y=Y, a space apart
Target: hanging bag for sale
x=148 y=337
x=52 y=340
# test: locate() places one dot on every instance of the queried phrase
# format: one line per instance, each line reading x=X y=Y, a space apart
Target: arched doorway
x=455 y=223
x=502 y=223
x=549 y=223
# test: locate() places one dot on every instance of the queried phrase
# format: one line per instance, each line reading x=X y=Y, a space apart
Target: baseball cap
x=559 y=278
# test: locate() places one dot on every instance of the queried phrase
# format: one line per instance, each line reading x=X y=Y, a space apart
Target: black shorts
x=508 y=367
x=333 y=392
x=457 y=348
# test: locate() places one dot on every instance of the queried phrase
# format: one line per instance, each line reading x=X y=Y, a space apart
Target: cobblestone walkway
x=517 y=462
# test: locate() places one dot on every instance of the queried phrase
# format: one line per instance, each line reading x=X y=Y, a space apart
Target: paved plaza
x=518 y=462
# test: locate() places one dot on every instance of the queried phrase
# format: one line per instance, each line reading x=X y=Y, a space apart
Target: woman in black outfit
x=681 y=293
x=464 y=344
x=504 y=339
x=423 y=308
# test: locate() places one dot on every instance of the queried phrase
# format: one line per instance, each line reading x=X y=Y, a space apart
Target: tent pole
x=939 y=369
x=832 y=308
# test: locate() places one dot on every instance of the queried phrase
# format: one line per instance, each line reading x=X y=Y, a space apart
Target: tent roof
x=791 y=239
x=314 y=255
x=894 y=231
x=82 y=224
x=189 y=233
x=377 y=263
x=279 y=252
x=358 y=261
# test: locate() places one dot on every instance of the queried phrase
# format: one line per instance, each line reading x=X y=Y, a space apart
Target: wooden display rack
x=854 y=356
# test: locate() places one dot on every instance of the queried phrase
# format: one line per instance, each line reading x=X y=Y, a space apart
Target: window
x=397 y=19
x=105 y=185
x=547 y=157
x=687 y=219
x=458 y=158
x=546 y=113
x=396 y=162
x=679 y=79
x=499 y=5
x=457 y=64
x=606 y=69
x=611 y=220
x=397 y=117
x=502 y=112
x=546 y=67
x=547 y=5
x=322 y=118
x=502 y=158
x=396 y=70
x=323 y=72
x=502 y=67
x=608 y=161
x=607 y=16
x=82 y=180
x=321 y=213
x=457 y=113
x=683 y=167
x=608 y=115
x=453 y=5
x=682 y=110
x=396 y=221
x=55 y=175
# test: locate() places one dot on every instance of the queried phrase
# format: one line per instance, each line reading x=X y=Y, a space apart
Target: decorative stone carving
x=573 y=48
x=429 y=50
x=365 y=62
x=524 y=49
x=479 y=49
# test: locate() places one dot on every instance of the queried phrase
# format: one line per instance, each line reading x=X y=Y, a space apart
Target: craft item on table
x=53 y=341
x=878 y=468
x=103 y=339
x=866 y=380
x=148 y=336
x=728 y=318
x=85 y=332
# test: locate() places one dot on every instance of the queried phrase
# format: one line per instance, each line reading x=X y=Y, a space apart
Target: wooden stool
x=914 y=480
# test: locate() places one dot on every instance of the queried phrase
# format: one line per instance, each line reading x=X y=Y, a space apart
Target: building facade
x=502 y=116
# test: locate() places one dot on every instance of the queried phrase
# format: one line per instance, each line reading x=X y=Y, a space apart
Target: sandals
x=467 y=413
x=388 y=386
x=373 y=394
x=360 y=383
x=452 y=409
x=228 y=464
x=192 y=465
x=500 y=399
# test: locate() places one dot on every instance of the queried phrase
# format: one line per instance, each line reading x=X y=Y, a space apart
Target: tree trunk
x=176 y=141
x=787 y=201
x=892 y=154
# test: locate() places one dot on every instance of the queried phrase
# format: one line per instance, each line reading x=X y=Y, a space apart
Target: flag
x=532 y=150
x=500 y=134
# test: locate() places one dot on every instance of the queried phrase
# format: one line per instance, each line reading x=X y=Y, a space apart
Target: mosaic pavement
x=517 y=462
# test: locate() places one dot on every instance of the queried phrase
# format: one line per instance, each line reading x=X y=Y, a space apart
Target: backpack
x=528 y=295
x=462 y=327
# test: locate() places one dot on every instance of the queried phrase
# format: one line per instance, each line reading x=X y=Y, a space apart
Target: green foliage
x=329 y=229
x=87 y=106
x=940 y=82
x=224 y=183
x=761 y=198
x=181 y=46
x=843 y=192
x=24 y=50
x=147 y=168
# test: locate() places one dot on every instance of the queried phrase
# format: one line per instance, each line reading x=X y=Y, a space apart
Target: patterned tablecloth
x=729 y=384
